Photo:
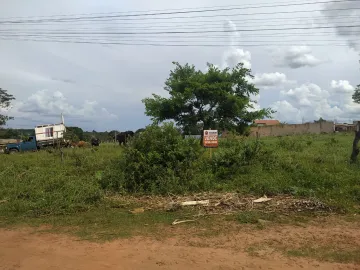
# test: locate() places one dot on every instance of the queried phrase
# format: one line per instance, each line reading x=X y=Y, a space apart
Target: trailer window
x=49 y=132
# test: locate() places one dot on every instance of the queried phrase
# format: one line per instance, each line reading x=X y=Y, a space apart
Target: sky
x=303 y=74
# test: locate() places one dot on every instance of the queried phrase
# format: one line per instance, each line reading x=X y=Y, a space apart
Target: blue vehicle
x=51 y=135
x=24 y=146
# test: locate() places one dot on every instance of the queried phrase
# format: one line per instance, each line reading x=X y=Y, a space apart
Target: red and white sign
x=211 y=138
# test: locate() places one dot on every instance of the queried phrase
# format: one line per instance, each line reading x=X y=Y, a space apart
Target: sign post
x=211 y=140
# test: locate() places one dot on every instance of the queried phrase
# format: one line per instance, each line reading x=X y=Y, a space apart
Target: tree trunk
x=355 y=150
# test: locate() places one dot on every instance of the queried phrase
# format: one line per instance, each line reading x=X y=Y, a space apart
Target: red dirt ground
x=30 y=250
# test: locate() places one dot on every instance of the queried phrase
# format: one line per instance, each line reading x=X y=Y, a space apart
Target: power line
x=209 y=31
x=167 y=40
x=189 y=26
x=191 y=37
x=198 y=11
x=89 y=31
x=173 y=45
x=138 y=11
x=185 y=22
x=121 y=17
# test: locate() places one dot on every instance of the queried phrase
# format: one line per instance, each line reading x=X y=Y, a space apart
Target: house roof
x=267 y=122
x=344 y=124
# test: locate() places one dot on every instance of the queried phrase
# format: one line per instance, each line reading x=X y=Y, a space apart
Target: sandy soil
x=30 y=250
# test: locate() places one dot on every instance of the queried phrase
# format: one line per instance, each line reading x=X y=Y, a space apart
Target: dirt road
x=245 y=249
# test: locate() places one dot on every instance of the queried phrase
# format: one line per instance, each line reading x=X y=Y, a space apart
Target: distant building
x=261 y=123
x=356 y=123
x=345 y=127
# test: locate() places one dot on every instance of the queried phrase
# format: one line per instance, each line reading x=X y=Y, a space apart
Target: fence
x=296 y=129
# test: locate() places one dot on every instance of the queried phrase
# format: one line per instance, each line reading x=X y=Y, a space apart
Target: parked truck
x=45 y=136
x=5 y=142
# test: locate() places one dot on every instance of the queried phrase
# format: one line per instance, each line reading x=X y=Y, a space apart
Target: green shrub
x=158 y=160
x=234 y=156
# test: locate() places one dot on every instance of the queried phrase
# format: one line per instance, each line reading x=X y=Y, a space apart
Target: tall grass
x=37 y=184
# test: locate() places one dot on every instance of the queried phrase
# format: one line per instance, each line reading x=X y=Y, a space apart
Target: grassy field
x=38 y=188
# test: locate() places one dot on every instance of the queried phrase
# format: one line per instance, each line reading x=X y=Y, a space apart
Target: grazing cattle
x=95 y=142
x=123 y=137
x=80 y=144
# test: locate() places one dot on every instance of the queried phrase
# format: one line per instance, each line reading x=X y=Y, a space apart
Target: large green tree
x=5 y=102
x=356 y=95
x=216 y=99
x=355 y=149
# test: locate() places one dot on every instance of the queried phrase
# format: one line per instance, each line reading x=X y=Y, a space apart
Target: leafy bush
x=158 y=160
x=233 y=157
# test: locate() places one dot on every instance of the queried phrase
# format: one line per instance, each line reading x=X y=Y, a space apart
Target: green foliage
x=320 y=120
x=37 y=184
x=9 y=134
x=217 y=99
x=74 y=133
x=234 y=157
x=332 y=141
x=112 y=134
x=356 y=95
x=5 y=102
x=139 y=130
x=159 y=160
x=292 y=143
x=16 y=133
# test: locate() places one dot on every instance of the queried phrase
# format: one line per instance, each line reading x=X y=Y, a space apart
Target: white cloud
x=235 y=55
x=255 y=103
x=47 y=104
x=286 y=112
x=270 y=79
x=341 y=93
x=296 y=57
x=310 y=102
x=342 y=86
x=305 y=95
x=345 y=13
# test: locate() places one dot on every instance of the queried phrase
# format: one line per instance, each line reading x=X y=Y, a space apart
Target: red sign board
x=211 y=138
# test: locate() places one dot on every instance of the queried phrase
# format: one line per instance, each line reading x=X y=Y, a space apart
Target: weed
x=332 y=142
x=325 y=253
x=292 y=143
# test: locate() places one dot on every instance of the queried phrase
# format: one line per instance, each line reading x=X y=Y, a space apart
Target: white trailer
x=50 y=134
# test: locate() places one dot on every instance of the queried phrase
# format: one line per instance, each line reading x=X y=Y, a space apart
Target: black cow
x=95 y=142
x=123 y=137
